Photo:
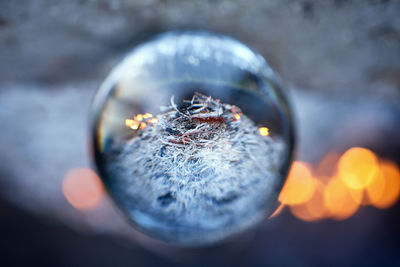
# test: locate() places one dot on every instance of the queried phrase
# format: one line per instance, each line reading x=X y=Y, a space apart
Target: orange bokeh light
x=140 y=121
x=358 y=167
x=327 y=166
x=316 y=206
x=82 y=188
x=301 y=212
x=384 y=191
x=299 y=186
x=314 y=209
x=339 y=184
x=375 y=190
x=341 y=201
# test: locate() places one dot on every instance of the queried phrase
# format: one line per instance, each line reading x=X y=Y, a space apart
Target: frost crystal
x=201 y=173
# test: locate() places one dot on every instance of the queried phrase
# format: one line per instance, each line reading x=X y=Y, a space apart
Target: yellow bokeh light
x=147 y=115
x=153 y=120
x=134 y=125
x=140 y=121
x=358 y=167
x=299 y=186
x=264 y=131
x=139 y=117
x=237 y=116
x=142 y=125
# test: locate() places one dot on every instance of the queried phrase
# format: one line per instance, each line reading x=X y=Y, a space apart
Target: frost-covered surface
x=193 y=181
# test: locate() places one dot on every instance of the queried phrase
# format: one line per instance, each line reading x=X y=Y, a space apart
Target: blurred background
x=341 y=62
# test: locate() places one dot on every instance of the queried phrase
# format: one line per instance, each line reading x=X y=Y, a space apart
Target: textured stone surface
x=330 y=45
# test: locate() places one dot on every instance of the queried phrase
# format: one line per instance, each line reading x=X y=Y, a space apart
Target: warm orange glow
x=384 y=191
x=314 y=209
x=375 y=190
x=358 y=167
x=277 y=211
x=341 y=201
x=82 y=188
x=134 y=125
x=142 y=125
x=299 y=186
x=327 y=166
x=301 y=212
x=147 y=115
x=153 y=121
x=140 y=121
x=237 y=116
x=264 y=131
x=339 y=185
x=139 y=117
x=316 y=206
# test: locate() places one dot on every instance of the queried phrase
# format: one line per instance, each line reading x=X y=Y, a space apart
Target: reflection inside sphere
x=192 y=137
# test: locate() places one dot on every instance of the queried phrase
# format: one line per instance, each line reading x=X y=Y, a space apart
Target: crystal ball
x=192 y=137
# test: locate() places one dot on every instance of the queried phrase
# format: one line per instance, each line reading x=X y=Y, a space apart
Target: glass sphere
x=192 y=137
